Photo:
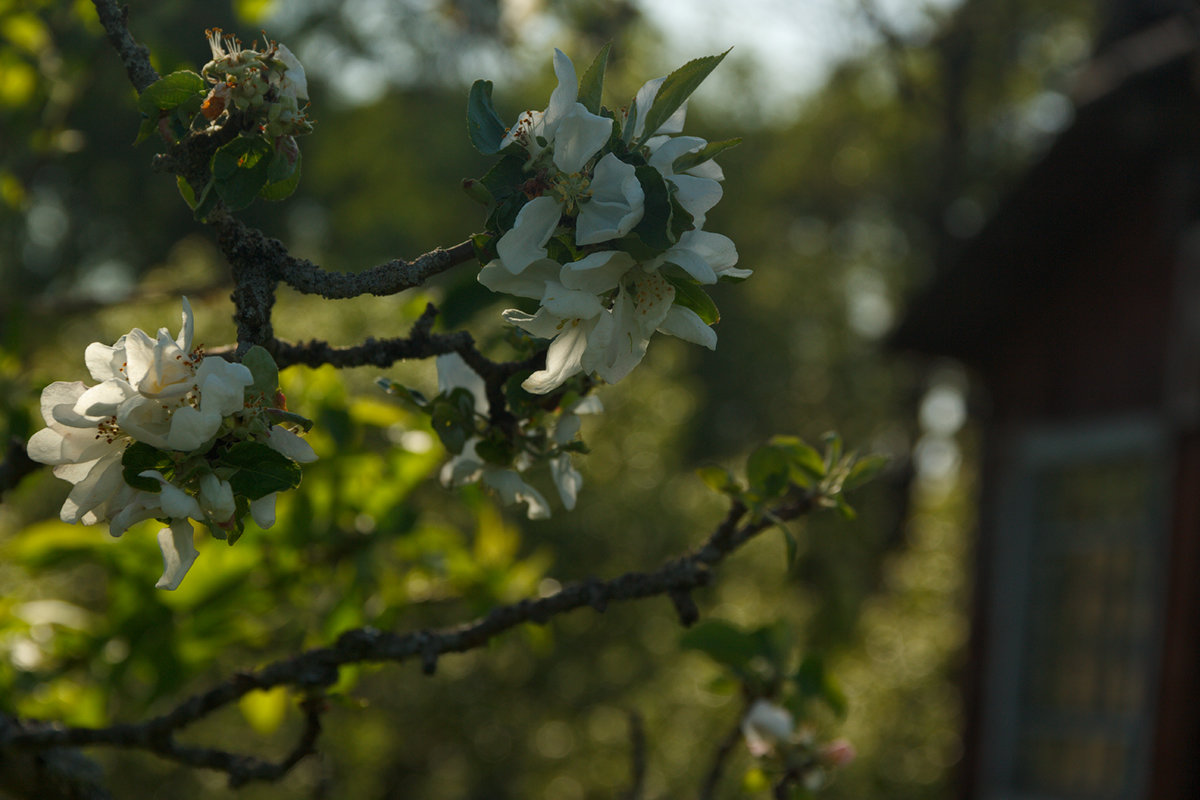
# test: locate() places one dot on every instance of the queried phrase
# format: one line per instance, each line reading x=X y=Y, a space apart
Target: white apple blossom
x=176 y=406
x=469 y=467
x=608 y=199
x=766 y=725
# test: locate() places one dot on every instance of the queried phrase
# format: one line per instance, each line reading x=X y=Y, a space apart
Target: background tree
x=834 y=208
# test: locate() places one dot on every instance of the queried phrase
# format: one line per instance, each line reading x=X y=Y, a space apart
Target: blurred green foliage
x=841 y=209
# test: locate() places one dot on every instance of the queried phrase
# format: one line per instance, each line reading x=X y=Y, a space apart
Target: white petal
x=588 y=405
x=530 y=282
x=690 y=262
x=597 y=273
x=102 y=481
x=289 y=444
x=184 y=340
x=294 y=80
x=512 y=489
x=453 y=372
x=718 y=250
x=652 y=298
x=644 y=100
x=562 y=359
x=696 y=195
x=687 y=325
x=133 y=513
x=616 y=204
x=569 y=303
x=145 y=420
x=222 y=386
x=216 y=498
x=526 y=242
x=563 y=98
x=104 y=399
x=60 y=393
x=191 y=428
x=626 y=346
x=669 y=148
x=543 y=324
x=175 y=502
x=262 y=510
x=580 y=136
x=104 y=362
x=178 y=552
x=566 y=478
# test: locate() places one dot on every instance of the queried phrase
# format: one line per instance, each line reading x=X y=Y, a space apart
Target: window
x=1076 y=614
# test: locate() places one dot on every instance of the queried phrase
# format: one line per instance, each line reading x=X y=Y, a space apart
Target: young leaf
x=767 y=469
x=484 y=125
x=689 y=295
x=724 y=643
x=264 y=371
x=655 y=226
x=863 y=471
x=676 y=89
x=706 y=153
x=807 y=465
x=260 y=470
x=170 y=91
x=282 y=189
x=240 y=170
x=592 y=83
x=718 y=479
x=139 y=457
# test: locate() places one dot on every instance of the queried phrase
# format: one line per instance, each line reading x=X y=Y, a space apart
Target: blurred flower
x=766 y=725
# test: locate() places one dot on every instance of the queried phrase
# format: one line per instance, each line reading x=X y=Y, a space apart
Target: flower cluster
x=269 y=83
x=770 y=729
x=496 y=456
x=172 y=435
x=598 y=215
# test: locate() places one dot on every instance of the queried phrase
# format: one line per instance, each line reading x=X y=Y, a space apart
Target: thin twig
x=318 y=668
x=720 y=757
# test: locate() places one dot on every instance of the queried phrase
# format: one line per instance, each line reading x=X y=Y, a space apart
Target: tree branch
x=243 y=244
x=316 y=669
x=135 y=57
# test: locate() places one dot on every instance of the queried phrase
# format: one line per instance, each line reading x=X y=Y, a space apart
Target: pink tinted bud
x=280 y=400
x=838 y=753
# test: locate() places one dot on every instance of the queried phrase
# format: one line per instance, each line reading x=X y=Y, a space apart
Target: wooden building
x=1078 y=310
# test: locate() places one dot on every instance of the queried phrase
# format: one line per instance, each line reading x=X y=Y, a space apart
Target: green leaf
x=591 y=85
x=815 y=682
x=845 y=509
x=449 y=423
x=147 y=129
x=400 y=390
x=278 y=415
x=484 y=125
x=240 y=170
x=281 y=188
x=689 y=295
x=676 y=89
x=139 y=457
x=833 y=449
x=718 y=479
x=768 y=469
x=264 y=371
x=789 y=539
x=724 y=643
x=185 y=191
x=170 y=91
x=707 y=153
x=807 y=465
x=260 y=470
x=864 y=470
x=655 y=226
